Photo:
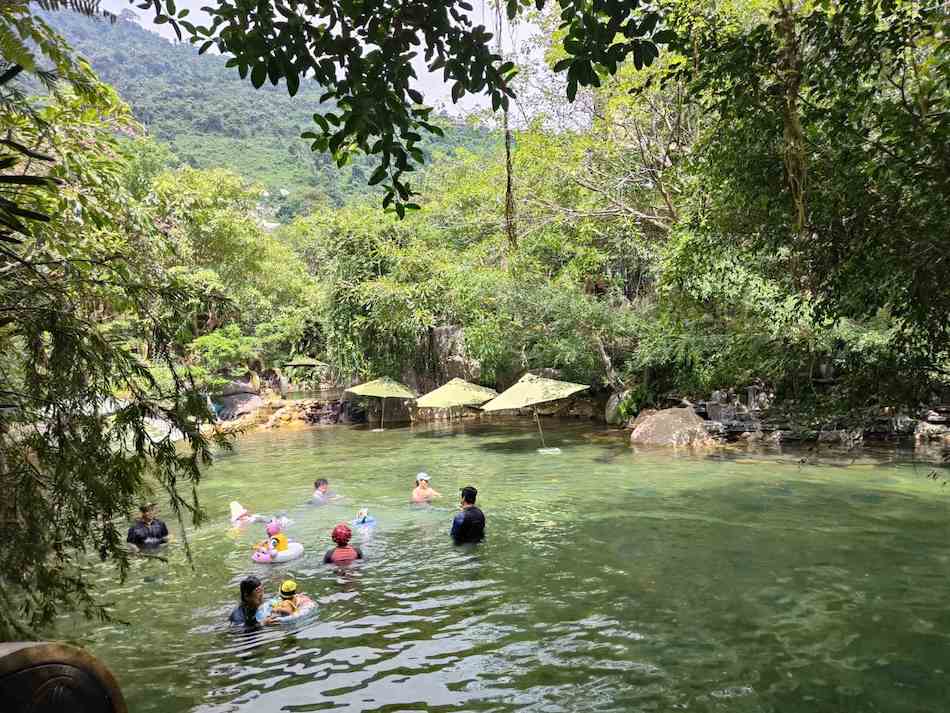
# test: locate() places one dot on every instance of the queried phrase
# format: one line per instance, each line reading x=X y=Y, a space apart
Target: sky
x=437 y=93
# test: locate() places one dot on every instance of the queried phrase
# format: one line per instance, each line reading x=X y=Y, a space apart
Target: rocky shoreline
x=247 y=405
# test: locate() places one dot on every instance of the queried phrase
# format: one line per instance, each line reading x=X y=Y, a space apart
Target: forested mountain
x=212 y=118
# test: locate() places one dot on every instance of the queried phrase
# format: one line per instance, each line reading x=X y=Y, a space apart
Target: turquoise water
x=611 y=580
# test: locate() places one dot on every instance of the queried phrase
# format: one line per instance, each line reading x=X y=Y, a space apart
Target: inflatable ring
x=306 y=609
x=266 y=553
x=368 y=521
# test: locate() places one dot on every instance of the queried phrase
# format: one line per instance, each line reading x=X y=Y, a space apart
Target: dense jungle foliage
x=767 y=200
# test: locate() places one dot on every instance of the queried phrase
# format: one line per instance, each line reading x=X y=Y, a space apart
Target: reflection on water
x=610 y=581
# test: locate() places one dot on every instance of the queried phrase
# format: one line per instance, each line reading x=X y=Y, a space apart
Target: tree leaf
x=258 y=75
x=378 y=175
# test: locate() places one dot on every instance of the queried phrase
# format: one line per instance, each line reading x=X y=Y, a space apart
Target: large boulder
x=447 y=359
x=671 y=427
x=640 y=418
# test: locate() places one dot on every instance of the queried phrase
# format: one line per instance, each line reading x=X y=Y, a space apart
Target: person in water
x=148 y=532
x=423 y=492
x=469 y=524
x=343 y=552
x=321 y=492
x=245 y=613
x=291 y=601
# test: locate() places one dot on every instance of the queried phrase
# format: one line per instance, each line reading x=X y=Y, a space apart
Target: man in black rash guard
x=468 y=525
x=148 y=532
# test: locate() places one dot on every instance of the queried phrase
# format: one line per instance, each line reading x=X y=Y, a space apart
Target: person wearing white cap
x=423 y=493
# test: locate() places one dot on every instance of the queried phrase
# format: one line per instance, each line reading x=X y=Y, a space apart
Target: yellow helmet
x=288 y=589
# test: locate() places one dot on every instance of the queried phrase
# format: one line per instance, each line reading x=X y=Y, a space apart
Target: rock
x=612 y=411
x=237 y=405
x=751 y=436
x=716 y=429
x=234 y=388
x=937 y=416
x=448 y=347
x=581 y=407
x=842 y=437
x=671 y=427
x=444 y=347
x=640 y=418
x=930 y=431
x=745 y=424
x=720 y=411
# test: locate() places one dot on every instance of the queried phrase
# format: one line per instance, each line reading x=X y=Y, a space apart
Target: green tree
x=74 y=459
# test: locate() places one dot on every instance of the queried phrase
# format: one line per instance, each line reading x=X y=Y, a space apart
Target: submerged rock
x=672 y=427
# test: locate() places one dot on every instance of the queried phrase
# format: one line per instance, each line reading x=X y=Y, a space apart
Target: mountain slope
x=211 y=117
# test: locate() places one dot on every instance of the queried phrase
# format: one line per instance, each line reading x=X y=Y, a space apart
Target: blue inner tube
x=306 y=610
x=367 y=521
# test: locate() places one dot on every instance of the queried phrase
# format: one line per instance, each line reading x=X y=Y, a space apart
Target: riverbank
x=741 y=429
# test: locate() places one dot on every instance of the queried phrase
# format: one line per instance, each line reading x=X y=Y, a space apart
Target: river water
x=611 y=580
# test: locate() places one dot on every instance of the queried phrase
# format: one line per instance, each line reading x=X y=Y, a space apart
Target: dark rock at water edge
x=235 y=406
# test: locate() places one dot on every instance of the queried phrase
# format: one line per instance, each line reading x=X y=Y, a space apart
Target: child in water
x=290 y=600
x=343 y=552
x=423 y=493
x=321 y=492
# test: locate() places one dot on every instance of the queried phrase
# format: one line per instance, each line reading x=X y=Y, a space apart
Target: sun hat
x=422 y=476
x=288 y=589
x=237 y=511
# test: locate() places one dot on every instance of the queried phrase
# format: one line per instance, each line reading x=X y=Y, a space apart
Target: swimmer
x=343 y=552
x=321 y=492
x=423 y=493
x=240 y=515
x=469 y=524
x=252 y=597
x=290 y=600
x=148 y=532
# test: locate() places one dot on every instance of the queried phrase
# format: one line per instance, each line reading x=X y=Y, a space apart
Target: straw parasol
x=456 y=392
x=531 y=390
x=383 y=388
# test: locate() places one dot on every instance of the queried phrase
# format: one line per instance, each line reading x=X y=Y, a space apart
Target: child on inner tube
x=343 y=552
x=290 y=601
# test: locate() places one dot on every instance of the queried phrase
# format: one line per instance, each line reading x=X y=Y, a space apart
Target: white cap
x=422 y=476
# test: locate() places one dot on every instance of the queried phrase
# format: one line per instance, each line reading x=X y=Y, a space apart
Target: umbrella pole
x=382 y=411
x=540 y=432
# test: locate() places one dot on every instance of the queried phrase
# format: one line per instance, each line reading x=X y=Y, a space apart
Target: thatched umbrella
x=531 y=390
x=383 y=388
x=456 y=392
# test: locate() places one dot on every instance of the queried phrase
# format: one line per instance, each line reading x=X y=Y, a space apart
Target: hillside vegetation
x=211 y=118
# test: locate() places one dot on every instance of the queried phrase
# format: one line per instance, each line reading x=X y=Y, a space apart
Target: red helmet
x=341 y=534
